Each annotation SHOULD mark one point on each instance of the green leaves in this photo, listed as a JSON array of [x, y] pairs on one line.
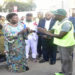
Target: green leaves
[[21, 6]]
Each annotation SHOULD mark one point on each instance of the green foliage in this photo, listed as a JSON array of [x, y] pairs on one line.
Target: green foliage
[[0, 8], [21, 6]]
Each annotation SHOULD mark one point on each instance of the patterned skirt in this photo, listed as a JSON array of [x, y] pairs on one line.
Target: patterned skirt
[[16, 58]]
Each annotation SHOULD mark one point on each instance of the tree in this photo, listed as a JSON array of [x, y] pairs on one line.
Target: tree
[[0, 8], [21, 6], [9, 0], [30, 1]]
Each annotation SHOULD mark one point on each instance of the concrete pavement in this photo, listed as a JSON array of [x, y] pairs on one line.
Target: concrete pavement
[[37, 69]]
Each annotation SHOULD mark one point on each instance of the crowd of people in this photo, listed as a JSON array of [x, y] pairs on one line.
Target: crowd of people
[[37, 38]]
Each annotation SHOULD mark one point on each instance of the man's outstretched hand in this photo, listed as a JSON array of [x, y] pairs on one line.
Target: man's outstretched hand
[[42, 30]]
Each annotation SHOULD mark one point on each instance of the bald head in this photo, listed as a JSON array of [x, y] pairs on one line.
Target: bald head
[[48, 15]]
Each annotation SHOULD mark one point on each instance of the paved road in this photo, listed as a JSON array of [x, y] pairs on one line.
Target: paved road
[[37, 69]]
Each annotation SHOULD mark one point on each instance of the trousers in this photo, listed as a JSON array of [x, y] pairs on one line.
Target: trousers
[[31, 44], [66, 59]]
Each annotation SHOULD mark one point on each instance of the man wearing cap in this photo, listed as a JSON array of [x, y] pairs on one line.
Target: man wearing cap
[[64, 38]]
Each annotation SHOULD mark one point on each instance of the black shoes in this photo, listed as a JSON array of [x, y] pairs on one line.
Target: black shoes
[[52, 62], [2, 58], [42, 61], [27, 68]]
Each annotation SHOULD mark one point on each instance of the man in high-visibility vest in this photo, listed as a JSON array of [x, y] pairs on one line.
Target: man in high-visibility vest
[[64, 38]]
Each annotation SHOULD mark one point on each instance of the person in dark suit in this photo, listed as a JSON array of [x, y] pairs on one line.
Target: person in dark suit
[[48, 48]]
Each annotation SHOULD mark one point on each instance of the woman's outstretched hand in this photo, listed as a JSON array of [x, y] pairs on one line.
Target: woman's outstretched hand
[[23, 31]]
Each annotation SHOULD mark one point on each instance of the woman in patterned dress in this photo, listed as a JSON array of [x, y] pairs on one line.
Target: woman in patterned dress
[[14, 44]]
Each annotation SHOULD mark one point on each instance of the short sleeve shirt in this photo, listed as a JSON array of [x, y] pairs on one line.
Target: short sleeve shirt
[[66, 27]]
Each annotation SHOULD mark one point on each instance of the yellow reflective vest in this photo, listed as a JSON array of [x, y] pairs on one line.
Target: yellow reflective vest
[[68, 39]]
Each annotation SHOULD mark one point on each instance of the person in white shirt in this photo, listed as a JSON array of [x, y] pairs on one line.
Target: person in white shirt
[[48, 48], [31, 42]]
